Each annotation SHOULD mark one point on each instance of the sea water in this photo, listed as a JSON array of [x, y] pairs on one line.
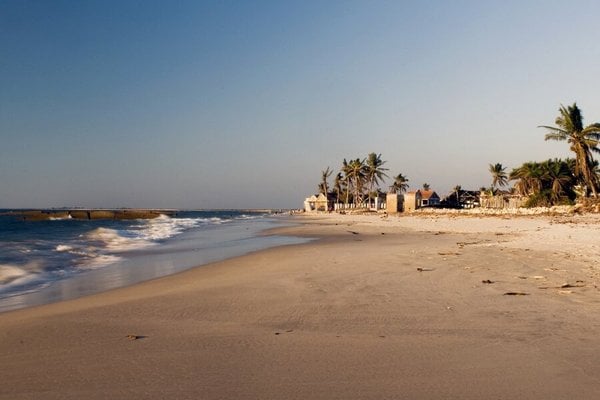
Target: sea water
[[47, 261]]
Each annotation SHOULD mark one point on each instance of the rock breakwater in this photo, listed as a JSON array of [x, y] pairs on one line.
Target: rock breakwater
[[89, 214]]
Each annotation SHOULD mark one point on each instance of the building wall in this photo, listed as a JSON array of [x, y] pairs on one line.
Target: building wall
[[394, 203], [502, 202], [432, 201], [412, 201]]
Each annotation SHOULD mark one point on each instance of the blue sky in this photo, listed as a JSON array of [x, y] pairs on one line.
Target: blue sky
[[241, 104]]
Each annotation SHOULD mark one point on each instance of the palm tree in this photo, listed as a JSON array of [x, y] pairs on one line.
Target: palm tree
[[374, 171], [357, 175], [323, 187], [426, 186], [529, 177], [457, 190], [558, 177], [545, 183], [347, 178], [338, 186], [498, 175], [400, 184], [583, 141]]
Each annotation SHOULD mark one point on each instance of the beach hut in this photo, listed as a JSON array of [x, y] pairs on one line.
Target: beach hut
[[429, 198], [318, 202], [394, 202], [412, 200]]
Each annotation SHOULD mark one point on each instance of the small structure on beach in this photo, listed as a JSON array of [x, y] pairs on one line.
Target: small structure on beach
[[318, 202], [420, 198], [394, 203], [429, 198], [412, 201]]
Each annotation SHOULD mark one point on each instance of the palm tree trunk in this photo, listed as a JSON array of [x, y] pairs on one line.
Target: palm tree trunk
[[347, 191], [585, 169]]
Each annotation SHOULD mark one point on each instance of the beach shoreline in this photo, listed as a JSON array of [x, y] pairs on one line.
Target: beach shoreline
[[429, 306], [134, 260]]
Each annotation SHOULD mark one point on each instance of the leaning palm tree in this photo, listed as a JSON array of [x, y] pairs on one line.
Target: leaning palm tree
[[374, 171], [499, 176], [582, 140], [400, 184], [323, 187]]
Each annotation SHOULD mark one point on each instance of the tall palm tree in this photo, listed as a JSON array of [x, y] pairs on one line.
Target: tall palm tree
[[400, 184], [499, 176], [582, 140], [347, 178], [323, 187], [357, 175], [338, 186], [374, 171], [426, 186]]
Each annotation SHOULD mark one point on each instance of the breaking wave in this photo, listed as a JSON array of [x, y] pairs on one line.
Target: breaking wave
[[15, 274], [34, 255]]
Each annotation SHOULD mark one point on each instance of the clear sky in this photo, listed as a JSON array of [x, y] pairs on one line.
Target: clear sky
[[225, 104]]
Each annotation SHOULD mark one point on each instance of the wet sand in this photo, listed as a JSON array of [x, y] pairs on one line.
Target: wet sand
[[397, 307]]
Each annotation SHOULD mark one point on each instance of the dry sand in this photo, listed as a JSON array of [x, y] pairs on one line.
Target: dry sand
[[379, 308]]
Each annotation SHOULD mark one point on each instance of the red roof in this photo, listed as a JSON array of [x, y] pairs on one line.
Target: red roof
[[427, 194]]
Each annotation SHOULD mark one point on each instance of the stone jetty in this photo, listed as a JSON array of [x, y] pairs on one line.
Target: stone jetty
[[89, 214]]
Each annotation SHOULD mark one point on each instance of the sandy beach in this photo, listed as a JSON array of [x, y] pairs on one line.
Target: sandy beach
[[410, 307]]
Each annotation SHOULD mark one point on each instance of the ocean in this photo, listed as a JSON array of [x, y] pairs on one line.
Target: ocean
[[47, 261]]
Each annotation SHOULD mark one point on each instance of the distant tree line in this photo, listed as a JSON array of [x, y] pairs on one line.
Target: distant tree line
[[545, 183], [358, 180]]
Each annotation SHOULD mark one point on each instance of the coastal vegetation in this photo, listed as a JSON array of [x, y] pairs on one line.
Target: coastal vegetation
[[546, 183], [358, 180], [400, 184], [556, 181], [499, 177], [583, 142]]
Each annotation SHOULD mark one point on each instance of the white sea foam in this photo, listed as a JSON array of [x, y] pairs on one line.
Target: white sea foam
[[103, 245], [165, 227], [91, 257], [112, 240], [99, 260], [64, 247], [13, 273], [60, 218]]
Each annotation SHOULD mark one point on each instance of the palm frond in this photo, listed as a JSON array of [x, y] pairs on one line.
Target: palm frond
[[556, 136]]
